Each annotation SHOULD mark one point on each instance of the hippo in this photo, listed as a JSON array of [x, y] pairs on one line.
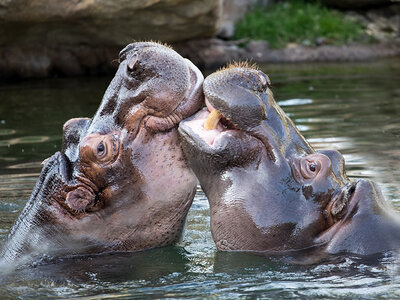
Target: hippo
[[120, 182], [269, 191]]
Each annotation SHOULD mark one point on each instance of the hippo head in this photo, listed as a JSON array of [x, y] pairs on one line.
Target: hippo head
[[268, 189], [120, 182]]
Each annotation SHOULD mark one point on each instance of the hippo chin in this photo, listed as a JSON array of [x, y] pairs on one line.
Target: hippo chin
[[268, 189], [120, 182]]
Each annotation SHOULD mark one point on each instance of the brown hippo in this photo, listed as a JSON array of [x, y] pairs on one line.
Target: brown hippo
[[268, 189], [120, 182]]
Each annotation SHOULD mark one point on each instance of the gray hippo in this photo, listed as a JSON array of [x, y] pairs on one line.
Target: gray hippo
[[120, 182], [268, 189]]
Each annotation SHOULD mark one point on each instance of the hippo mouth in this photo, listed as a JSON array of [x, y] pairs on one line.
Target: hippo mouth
[[212, 132], [209, 127]]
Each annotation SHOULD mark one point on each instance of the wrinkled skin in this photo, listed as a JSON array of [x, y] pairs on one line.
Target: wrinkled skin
[[268, 189], [120, 182]]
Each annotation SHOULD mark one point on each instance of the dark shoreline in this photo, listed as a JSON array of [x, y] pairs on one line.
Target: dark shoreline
[[41, 61], [213, 53]]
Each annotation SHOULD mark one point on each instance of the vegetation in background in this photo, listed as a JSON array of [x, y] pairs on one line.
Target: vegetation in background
[[299, 22]]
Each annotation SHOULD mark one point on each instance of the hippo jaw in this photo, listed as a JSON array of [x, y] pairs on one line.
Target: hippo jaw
[[267, 188]]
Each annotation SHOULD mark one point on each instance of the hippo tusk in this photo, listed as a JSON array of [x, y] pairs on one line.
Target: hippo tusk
[[212, 120]]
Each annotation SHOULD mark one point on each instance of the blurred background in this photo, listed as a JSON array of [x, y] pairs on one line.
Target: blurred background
[[41, 38]]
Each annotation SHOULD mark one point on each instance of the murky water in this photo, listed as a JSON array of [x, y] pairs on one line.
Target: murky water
[[352, 108]]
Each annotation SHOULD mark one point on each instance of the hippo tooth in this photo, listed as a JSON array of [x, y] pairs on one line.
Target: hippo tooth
[[212, 120]]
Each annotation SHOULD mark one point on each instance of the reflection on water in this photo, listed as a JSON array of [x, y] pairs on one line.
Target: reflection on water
[[24, 140], [6, 131], [352, 108]]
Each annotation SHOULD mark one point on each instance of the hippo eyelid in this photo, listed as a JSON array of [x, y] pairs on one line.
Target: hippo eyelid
[[124, 52], [313, 163], [306, 171], [266, 82]]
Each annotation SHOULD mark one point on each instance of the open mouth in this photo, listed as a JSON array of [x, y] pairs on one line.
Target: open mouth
[[210, 125]]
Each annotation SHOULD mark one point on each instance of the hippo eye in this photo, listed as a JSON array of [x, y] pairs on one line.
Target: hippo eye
[[309, 168], [101, 149]]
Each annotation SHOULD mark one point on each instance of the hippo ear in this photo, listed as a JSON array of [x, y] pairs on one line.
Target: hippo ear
[[125, 51], [73, 131], [79, 199]]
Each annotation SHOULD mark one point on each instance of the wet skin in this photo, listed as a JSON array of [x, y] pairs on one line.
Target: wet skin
[[120, 182], [268, 189]]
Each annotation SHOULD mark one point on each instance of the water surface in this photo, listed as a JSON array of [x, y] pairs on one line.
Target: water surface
[[353, 108]]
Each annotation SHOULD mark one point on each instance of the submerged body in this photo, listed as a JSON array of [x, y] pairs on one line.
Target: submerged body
[[268, 189], [110, 188]]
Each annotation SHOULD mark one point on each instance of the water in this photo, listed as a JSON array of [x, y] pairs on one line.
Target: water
[[353, 108]]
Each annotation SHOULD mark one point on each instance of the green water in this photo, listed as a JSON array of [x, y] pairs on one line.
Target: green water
[[354, 108]]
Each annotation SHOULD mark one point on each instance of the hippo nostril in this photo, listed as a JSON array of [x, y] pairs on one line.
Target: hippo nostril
[[79, 199], [351, 190], [339, 205]]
